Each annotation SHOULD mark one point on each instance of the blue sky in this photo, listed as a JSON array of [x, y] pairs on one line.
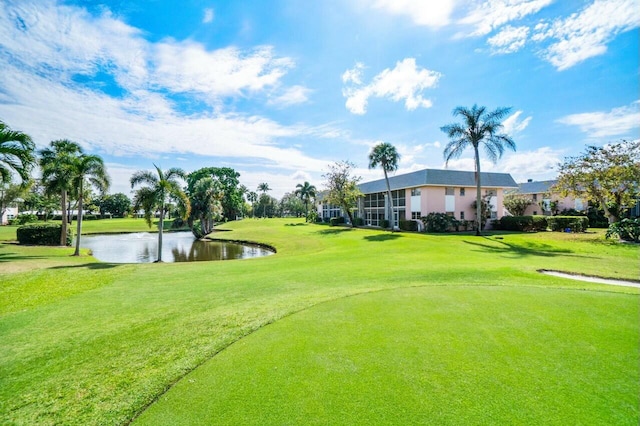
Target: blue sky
[[278, 90]]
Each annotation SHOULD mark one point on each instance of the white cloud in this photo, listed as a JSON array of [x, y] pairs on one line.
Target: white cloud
[[404, 82], [292, 96], [423, 12], [186, 66], [489, 15], [513, 124], [208, 16], [617, 122], [585, 34], [538, 164], [508, 40]]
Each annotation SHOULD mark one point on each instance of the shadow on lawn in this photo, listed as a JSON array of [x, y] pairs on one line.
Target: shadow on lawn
[[527, 249], [334, 231], [382, 237], [96, 266]]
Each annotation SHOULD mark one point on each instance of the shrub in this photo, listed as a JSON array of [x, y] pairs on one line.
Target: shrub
[[312, 216], [626, 229], [570, 223], [46, 234], [516, 223], [358, 221], [384, 223], [540, 223], [439, 222], [336, 221], [25, 218], [408, 225]]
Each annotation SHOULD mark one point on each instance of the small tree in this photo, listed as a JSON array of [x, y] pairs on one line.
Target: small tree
[[342, 187], [385, 155], [516, 204], [608, 176], [115, 204]]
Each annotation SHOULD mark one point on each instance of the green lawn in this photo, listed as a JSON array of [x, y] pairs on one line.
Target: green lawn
[[86, 342]]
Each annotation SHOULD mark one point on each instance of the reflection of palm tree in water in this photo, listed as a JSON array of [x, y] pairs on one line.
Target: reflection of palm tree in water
[[210, 250]]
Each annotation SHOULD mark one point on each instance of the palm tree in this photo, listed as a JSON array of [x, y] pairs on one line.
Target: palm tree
[[56, 165], [16, 153], [205, 205], [306, 192], [252, 197], [385, 155], [160, 187], [264, 188], [87, 169], [479, 127]]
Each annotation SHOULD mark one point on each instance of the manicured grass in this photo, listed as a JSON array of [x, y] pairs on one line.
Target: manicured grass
[[106, 340], [425, 355]]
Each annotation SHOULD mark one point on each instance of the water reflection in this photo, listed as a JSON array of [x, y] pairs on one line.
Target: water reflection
[[142, 247]]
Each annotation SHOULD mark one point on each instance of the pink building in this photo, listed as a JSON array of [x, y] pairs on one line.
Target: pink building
[[425, 191], [544, 201]]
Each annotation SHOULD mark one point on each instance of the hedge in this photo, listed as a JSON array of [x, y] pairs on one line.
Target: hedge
[[336, 221], [524, 223], [45, 234], [568, 223], [408, 225]]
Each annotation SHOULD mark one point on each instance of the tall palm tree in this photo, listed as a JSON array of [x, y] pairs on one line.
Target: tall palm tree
[[16, 153], [479, 127], [306, 192], [160, 187], [385, 155], [252, 197], [87, 169], [56, 165], [264, 188]]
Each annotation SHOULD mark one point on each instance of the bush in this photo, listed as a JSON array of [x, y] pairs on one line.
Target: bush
[[384, 223], [336, 221], [358, 221], [524, 223], [439, 222], [626, 229], [409, 225], [25, 218], [45, 234], [570, 223]]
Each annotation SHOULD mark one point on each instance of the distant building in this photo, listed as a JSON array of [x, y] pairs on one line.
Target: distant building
[[8, 214], [545, 200], [419, 193]]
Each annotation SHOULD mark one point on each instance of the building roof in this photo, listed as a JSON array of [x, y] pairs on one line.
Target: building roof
[[536, 187], [434, 177]]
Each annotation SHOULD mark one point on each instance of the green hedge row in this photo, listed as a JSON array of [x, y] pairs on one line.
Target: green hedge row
[[541, 223], [408, 225], [45, 234], [336, 221]]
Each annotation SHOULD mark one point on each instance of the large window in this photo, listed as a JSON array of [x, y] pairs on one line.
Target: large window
[[449, 191], [462, 192], [375, 210], [416, 215], [415, 192]]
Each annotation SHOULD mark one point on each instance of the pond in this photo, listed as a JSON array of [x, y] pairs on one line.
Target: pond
[[142, 247]]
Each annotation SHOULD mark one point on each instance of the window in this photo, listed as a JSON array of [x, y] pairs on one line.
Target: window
[[462, 192], [535, 197], [461, 215], [491, 192], [416, 215], [449, 191], [415, 192]]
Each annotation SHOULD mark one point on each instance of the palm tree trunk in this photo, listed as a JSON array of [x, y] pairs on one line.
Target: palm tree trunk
[[386, 178], [63, 217], [478, 192], [79, 223], [160, 228]]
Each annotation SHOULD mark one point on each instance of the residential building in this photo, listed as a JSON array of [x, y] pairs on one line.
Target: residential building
[[419, 193], [546, 201], [8, 214]]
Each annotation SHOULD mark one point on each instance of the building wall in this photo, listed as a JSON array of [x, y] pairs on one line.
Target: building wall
[[564, 203], [10, 213]]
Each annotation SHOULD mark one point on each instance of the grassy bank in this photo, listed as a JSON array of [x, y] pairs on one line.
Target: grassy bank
[[87, 342]]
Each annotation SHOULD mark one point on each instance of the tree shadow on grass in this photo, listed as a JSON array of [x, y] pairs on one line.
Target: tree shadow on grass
[[382, 237], [334, 231], [523, 250], [94, 266], [295, 224]]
